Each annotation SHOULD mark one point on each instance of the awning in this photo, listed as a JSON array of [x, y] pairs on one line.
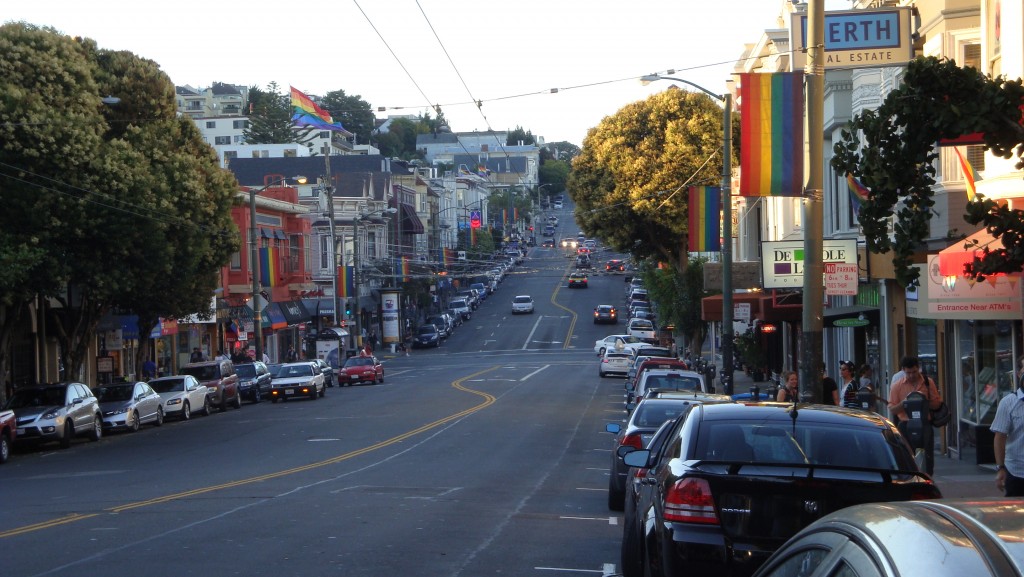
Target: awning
[[319, 307], [851, 312], [954, 258], [273, 318], [279, 234], [782, 307], [266, 233], [336, 331], [294, 312], [411, 223]]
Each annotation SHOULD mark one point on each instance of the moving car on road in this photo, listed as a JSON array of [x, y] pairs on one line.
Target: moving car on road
[[578, 280], [361, 369], [609, 342], [615, 362], [522, 304], [128, 406], [606, 314], [426, 335], [181, 395], [298, 380]]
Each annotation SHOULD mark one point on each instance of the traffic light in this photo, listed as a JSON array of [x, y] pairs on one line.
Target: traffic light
[[348, 308]]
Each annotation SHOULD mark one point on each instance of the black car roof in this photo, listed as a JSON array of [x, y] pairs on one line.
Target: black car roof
[[781, 412]]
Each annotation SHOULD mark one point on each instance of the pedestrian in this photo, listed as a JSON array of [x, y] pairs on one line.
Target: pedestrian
[[1008, 440], [197, 356], [829, 388], [850, 386], [867, 376], [291, 356], [148, 369], [266, 358], [915, 381], [373, 338], [222, 356], [790, 390]]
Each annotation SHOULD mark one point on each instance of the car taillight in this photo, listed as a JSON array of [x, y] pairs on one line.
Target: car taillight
[[925, 492], [689, 501], [633, 440]]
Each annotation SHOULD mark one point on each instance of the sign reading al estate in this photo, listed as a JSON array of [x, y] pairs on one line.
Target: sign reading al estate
[[858, 38]]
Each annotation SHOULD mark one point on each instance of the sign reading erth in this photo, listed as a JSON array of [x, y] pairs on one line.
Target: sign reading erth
[[858, 38]]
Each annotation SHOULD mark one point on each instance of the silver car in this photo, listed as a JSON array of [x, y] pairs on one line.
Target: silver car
[[182, 394], [57, 412], [128, 406]]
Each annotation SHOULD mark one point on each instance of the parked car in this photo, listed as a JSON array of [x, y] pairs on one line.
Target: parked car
[[944, 538], [254, 380], [606, 314], [444, 327], [642, 329], [426, 335], [128, 406], [361, 369], [610, 341], [642, 363], [614, 362], [57, 412], [666, 379], [303, 379], [733, 482], [220, 378], [481, 290], [470, 297], [522, 304], [578, 280], [461, 306], [8, 431], [325, 368], [182, 394]]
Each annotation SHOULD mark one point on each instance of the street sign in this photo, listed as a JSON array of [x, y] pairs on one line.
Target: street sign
[[461, 255], [741, 312], [851, 322], [841, 279]]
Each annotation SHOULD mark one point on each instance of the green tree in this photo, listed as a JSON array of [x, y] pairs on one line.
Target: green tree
[[270, 117], [561, 150], [103, 203], [629, 180], [354, 113], [678, 295], [518, 136], [891, 151], [400, 139], [554, 173]]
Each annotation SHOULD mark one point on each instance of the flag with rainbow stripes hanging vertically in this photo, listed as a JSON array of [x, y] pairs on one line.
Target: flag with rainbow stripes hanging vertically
[[705, 218], [446, 257], [403, 268], [859, 194], [346, 281], [268, 266], [771, 134], [971, 176]]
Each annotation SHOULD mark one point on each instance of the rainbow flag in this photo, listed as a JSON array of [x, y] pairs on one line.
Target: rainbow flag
[[268, 266], [771, 134], [346, 281], [859, 194], [515, 214], [446, 257], [307, 113], [403, 266], [971, 176], [705, 218], [472, 236]]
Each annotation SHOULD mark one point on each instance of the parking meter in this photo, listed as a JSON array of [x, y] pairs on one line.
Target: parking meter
[[866, 399], [915, 405]]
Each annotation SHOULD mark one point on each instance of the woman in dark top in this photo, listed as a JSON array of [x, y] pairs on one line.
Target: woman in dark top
[[790, 390]]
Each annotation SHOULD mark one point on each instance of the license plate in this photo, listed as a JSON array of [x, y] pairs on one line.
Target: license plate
[[289, 391], [21, 431]]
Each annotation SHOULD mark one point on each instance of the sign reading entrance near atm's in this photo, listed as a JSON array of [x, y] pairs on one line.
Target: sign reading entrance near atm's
[[858, 38], [782, 262]]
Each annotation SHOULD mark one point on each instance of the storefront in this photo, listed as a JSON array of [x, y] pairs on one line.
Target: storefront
[[978, 326]]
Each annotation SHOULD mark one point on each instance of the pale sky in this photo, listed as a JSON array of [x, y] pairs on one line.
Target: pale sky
[[507, 54]]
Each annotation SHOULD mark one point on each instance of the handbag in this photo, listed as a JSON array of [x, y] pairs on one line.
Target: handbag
[[941, 415]]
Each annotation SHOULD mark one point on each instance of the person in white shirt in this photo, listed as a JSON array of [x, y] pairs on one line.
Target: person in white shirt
[[1008, 440]]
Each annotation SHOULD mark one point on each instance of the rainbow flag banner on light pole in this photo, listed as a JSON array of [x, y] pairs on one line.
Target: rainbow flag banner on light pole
[[268, 266], [771, 134], [705, 219]]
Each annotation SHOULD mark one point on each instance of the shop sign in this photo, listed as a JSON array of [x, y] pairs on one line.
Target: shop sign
[[782, 262], [851, 323], [857, 38], [957, 297]]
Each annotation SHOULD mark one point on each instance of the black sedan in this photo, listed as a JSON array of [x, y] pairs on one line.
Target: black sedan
[[426, 336], [732, 482], [979, 537], [606, 314]]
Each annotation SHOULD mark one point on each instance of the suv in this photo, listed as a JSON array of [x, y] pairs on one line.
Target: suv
[[57, 412], [461, 307], [583, 261], [442, 324], [254, 381], [220, 378], [470, 297]]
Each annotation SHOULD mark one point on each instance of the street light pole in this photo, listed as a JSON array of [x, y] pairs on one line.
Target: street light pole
[[727, 301], [254, 263]]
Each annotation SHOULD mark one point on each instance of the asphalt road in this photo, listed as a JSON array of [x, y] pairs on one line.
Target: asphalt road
[[484, 456]]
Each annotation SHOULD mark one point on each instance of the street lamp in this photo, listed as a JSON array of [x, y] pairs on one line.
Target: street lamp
[[727, 312], [254, 262]]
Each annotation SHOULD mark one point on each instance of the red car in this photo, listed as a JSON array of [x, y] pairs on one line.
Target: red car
[[8, 429], [361, 370]]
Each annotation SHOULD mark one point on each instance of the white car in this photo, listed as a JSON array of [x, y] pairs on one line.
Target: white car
[[614, 361], [670, 379], [303, 379], [522, 304], [642, 329], [461, 307], [182, 395], [602, 345]]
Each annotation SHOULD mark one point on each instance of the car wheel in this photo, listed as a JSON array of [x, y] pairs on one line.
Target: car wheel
[[381, 380], [159, 417], [616, 496], [323, 391], [133, 423], [601, 373], [238, 400], [223, 406], [186, 412], [274, 400], [257, 397], [316, 394], [5, 449], [69, 431], [632, 550], [97, 428], [207, 409]]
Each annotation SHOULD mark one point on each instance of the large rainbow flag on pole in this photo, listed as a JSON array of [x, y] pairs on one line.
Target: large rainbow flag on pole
[[346, 281], [268, 266], [307, 113], [705, 218], [771, 134]]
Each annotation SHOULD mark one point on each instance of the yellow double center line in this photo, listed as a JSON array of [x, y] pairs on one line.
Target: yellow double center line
[[572, 314], [75, 517]]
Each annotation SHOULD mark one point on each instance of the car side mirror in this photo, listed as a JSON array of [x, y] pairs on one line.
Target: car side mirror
[[613, 428], [637, 458]]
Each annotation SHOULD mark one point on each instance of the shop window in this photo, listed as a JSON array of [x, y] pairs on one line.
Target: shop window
[[986, 367]]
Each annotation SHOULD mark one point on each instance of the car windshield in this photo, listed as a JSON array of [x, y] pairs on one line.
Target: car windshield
[[274, 369], [458, 304], [677, 382], [168, 385], [642, 324], [522, 299], [652, 415], [784, 444], [359, 362], [115, 393], [246, 371], [427, 330], [202, 372], [295, 371], [36, 397]]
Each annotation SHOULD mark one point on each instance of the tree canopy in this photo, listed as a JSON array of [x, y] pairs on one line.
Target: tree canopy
[[891, 150], [629, 180], [354, 113], [270, 117], [520, 135], [106, 206]]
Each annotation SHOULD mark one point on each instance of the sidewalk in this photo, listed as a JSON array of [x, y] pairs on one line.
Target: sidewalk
[[956, 478]]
